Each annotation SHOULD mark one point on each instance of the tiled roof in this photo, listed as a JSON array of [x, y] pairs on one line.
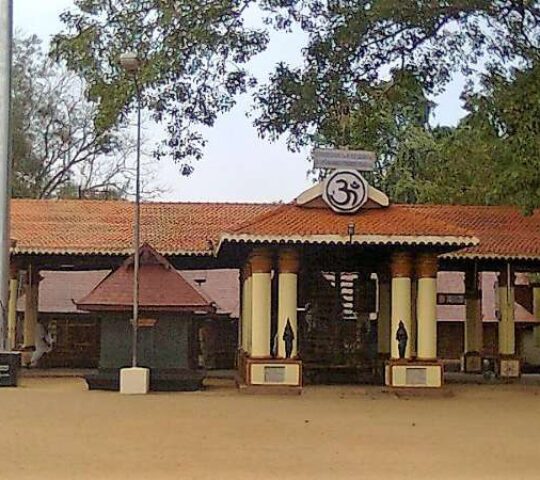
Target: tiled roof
[[397, 224], [504, 232], [105, 227], [161, 287]]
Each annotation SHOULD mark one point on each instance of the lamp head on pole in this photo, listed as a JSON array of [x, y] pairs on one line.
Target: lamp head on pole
[[351, 230], [130, 62]]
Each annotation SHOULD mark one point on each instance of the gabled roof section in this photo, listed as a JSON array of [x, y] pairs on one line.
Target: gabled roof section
[[394, 225], [161, 288], [504, 232], [105, 227]]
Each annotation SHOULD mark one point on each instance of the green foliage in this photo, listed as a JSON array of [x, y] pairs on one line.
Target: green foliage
[[192, 56], [370, 67]]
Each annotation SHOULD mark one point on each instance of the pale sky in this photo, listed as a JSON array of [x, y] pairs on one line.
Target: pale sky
[[237, 166]]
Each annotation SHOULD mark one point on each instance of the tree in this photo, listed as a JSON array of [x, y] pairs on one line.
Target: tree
[[360, 53], [365, 60], [193, 62], [57, 151]]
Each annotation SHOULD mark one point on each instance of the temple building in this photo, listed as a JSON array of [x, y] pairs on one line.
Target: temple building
[[311, 272]]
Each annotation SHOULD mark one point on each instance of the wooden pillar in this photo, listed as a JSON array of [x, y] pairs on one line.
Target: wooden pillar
[[401, 268], [31, 306], [426, 272], [384, 314], [12, 306], [261, 278], [473, 318], [288, 299], [507, 343]]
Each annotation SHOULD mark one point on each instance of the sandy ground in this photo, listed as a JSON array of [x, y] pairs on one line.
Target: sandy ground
[[55, 429]]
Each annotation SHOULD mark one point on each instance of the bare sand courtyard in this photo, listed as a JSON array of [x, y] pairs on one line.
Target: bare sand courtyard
[[56, 429]]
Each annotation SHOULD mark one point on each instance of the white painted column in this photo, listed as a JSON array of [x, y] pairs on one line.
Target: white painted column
[[473, 318], [401, 268], [261, 278], [384, 314], [426, 306], [507, 342], [287, 299], [246, 308], [12, 307]]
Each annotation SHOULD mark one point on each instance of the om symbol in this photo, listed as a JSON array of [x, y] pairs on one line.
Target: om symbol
[[345, 191]]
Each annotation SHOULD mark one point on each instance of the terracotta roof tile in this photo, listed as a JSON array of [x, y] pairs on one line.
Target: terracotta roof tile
[[105, 227], [161, 287], [503, 231], [395, 221]]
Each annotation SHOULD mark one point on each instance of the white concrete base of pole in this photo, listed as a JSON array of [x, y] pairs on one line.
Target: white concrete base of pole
[[134, 381]]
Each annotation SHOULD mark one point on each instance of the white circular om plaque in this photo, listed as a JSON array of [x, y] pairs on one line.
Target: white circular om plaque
[[345, 191]]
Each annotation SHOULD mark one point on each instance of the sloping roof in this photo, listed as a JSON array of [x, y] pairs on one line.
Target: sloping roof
[[161, 287], [58, 290], [504, 232], [221, 286], [106, 226], [397, 224]]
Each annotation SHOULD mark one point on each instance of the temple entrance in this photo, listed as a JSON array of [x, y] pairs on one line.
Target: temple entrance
[[338, 327]]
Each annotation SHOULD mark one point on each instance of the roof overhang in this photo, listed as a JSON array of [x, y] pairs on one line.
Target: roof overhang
[[110, 253], [406, 240]]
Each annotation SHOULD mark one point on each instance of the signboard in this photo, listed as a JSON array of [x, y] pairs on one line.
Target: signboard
[[345, 191], [146, 322], [343, 159]]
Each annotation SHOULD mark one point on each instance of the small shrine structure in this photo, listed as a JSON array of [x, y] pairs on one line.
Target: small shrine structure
[[168, 324]]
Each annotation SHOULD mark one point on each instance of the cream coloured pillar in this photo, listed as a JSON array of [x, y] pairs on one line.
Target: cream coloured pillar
[[473, 317], [261, 288], [384, 314], [507, 343], [401, 267], [413, 337], [426, 306], [12, 307], [246, 308], [31, 306], [288, 299]]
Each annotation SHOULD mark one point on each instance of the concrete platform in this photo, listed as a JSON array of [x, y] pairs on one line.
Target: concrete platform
[[161, 380]]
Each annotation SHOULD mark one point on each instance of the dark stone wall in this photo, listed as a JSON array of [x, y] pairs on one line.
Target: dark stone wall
[[165, 345]]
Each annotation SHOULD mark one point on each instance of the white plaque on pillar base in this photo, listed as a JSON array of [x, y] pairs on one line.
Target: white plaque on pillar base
[[134, 381], [272, 375], [509, 367], [413, 374]]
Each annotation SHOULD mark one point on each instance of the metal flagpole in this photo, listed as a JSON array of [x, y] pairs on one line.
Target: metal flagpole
[[6, 35]]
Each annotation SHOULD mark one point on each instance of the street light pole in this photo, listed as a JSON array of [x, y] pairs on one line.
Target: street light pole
[[6, 36], [131, 64], [137, 230]]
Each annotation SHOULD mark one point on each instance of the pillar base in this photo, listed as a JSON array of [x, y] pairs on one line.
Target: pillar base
[[471, 362], [509, 366], [134, 381], [413, 374], [270, 375]]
